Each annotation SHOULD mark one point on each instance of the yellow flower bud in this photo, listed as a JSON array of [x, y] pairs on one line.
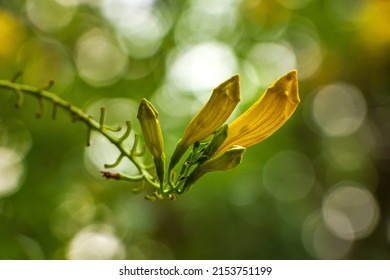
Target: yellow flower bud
[[150, 125], [210, 117], [267, 115]]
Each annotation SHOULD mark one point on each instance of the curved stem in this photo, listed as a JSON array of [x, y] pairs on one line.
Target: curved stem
[[79, 115]]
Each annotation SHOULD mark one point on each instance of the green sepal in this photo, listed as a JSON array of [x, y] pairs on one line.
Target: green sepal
[[218, 139], [226, 161]]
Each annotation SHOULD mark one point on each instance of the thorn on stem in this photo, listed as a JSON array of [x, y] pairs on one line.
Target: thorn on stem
[[116, 163], [41, 108], [127, 132], [49, 85], [135, 144], [20, 97], [112, 128], [88, 136], [102, 116]]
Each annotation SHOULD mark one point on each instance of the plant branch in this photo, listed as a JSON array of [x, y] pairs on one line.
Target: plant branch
[[77, 114]]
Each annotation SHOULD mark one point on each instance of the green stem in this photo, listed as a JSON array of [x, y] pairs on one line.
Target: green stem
[[80, 115], [188, 165]]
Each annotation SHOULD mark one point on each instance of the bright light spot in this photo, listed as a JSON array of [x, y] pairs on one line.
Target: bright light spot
[[96, 242], [215, 6], [350, 211], [202, 67], [117, 111], [339, 109], [288, 176], [168, 97], [141, 26], [49, 15], [206, 20], [270, 61], [99, 61], [69, 3], [304, 38], [101, 151], [327, 246], [11, 170], [320, 242]]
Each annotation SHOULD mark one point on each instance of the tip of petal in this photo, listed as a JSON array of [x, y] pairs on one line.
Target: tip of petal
[[289, 84], [294, 92], [292, 75], [230, 87]]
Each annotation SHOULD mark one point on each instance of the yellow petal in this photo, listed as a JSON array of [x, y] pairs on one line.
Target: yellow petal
[[214, 113], [212, 116], [267, 115]]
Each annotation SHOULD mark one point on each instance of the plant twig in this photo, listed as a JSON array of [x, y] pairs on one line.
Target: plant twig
[[42, 94]]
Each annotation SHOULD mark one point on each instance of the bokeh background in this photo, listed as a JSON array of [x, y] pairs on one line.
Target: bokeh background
[[317, 189]]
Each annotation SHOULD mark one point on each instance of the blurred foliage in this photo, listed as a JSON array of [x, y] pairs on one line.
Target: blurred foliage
[[317, 189]]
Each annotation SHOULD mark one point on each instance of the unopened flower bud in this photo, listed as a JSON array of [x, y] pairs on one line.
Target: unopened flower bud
[[150, 125]]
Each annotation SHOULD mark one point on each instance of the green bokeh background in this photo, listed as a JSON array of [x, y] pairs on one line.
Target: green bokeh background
[[317, 189]]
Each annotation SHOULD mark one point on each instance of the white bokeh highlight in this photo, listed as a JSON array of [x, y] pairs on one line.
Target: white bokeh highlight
[[338, 109], [11, 171], [96, 242], [99, 60], [202, 66], [350, 211]]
